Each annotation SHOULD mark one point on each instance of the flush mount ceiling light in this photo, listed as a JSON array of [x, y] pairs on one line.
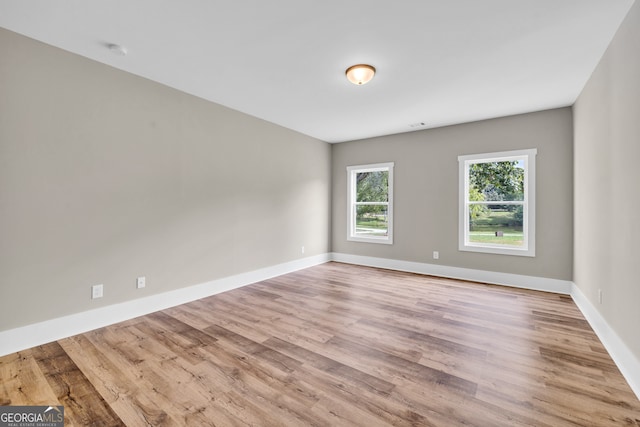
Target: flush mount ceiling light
[[360, 74]]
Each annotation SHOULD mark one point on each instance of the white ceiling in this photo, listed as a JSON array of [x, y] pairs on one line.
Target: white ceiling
[[439, 62]]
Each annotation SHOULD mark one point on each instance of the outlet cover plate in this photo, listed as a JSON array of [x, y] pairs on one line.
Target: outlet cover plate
[[97, 291]]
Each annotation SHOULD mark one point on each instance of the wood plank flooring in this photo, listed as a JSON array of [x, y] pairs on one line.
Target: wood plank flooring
[[335, 345]]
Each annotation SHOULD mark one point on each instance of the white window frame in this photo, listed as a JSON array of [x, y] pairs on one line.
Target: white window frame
[[352, 172], [529, 203]]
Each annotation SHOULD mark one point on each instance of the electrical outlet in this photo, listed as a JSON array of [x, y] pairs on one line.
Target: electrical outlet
[[97, 291], [600, 296], [141, 282], [302, 250], [436, 255]]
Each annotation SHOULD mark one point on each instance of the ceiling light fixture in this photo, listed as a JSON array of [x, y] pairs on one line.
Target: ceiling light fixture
[[360, 74]]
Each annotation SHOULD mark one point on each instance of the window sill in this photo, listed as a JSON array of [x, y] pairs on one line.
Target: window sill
[[497, 250], [378, 240]]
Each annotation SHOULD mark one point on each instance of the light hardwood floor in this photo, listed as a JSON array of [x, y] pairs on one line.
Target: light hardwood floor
[[335, 345]]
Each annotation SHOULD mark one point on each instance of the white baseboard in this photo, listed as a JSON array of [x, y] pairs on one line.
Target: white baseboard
[[21, 338], [626, 361], [492, 277]]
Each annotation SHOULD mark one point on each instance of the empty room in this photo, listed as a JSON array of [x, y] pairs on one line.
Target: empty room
[[298, 213]]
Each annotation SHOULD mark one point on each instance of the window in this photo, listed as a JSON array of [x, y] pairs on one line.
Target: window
[[497, 203], [370, 192]]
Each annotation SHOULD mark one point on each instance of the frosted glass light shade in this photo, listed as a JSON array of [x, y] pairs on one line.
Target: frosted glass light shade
[[360, 74]]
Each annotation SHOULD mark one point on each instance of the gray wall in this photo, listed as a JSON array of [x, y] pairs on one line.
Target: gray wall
[[105, 176], [607, 184], [426, 191]]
